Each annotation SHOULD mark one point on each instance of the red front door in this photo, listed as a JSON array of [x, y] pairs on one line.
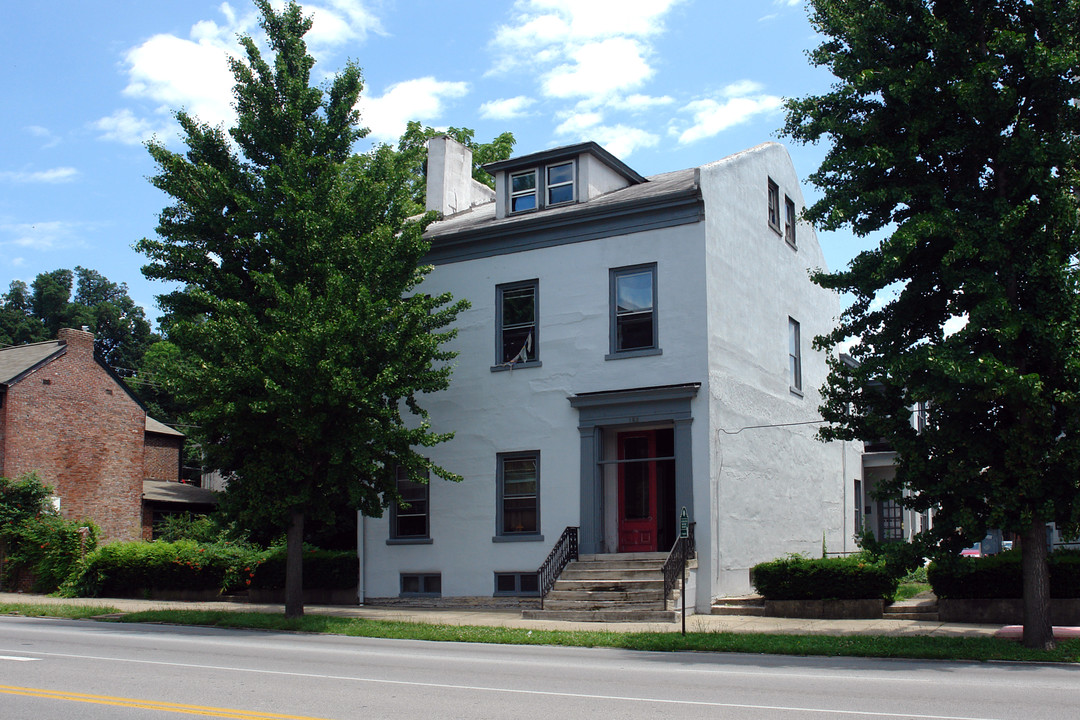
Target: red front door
[[637, 492]]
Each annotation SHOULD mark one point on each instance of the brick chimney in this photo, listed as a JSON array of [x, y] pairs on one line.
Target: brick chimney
[[450, 185], [80, 342]]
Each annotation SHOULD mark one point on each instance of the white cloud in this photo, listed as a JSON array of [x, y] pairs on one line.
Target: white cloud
[[52, 235], [52, 176], [599, 69], [738, 103], [578, 123], [545, 22], [170, 73], [123, 126], [45, 134], [621, 141], [638, 102], [421, 99], [506, 108]]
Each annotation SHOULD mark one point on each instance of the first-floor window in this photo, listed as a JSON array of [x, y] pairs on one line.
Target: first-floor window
[[794, 355], [409, 516], [518, 484], [892, 520]]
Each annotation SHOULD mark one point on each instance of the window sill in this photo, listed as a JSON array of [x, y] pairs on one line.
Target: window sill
[[409, 541], [776, 229], [795, 391], [791, 245], [516, 594], [516, 366], [517, 538], [643, 352]]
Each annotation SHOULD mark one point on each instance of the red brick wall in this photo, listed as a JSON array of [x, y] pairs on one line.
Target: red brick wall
[[163, 457], [83, 434]]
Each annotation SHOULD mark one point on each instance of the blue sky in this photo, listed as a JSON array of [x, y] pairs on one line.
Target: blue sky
[[663, 84]]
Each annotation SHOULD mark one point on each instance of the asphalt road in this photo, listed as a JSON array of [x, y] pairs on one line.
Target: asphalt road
[[86, 670]]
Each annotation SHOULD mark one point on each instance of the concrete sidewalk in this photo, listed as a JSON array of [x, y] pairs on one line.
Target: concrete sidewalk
[[512, 618]]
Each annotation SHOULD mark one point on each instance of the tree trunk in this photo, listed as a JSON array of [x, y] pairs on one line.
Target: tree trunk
[[1038, 632], [294, 566]]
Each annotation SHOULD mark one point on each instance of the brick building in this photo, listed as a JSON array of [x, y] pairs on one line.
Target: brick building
[[67, 416]]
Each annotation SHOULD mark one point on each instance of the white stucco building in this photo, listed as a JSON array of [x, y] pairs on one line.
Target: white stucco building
[[634, 346]]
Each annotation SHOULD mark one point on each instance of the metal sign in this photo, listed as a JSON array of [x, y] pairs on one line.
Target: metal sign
[[684, 524]]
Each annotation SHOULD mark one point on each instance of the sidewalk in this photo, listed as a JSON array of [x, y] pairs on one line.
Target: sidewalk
[[512, 618]]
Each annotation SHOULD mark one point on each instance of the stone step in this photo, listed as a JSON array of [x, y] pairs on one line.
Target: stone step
[[560, 604], [748, 610], [605, 573], [611, 585], [605, 616], [654, 565], [610, 595], [614, 557], [927, 616]]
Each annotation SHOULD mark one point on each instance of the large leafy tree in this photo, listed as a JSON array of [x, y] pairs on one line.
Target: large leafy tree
[[305, 334], [32, 314], [954, 131]]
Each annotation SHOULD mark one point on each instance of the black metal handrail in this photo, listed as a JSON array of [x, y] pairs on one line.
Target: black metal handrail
[[682, 552], [565, 550]]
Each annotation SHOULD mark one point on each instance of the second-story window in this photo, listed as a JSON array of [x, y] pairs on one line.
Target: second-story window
[[633, 309], [794, 355], [774, 205], [560, 183], [523, 191], [789, 228], [516, 308]]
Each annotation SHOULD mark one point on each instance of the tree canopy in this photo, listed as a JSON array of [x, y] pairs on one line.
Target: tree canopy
[[305, 331], [955, 132], [414, 143], [36, 313]]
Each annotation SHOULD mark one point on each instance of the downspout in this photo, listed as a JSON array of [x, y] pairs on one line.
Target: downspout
[[360, 557]]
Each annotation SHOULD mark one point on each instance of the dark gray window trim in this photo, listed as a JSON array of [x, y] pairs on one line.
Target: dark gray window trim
[[555, 155], [791, 217], [401, 582], [637, 405], [396, 539], [541, 189], [501, 536], [499, 290], [565, 225], [517, 592], [796, 387], [613, 352], [773, 199]]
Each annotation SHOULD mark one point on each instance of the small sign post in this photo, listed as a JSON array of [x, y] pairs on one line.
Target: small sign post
[[684, 533]]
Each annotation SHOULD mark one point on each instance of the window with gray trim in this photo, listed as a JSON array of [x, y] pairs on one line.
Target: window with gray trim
[[633, 310], [774, 205], [523, 191], [560, 183], [518, 488], [410, 519], [794, 355], [789, 227], [421, 584], [517, 583], [516, 310]]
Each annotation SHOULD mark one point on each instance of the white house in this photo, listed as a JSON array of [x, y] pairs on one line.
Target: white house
[[634, 346]]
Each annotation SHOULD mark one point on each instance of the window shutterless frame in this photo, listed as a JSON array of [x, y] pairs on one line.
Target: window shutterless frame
[[634, 329], [523, 191], [517, 583], [412, 523], [560, 183], [795, 356], [789, 226], [774, 206], [517, 315], [421, 584], [517, 484]]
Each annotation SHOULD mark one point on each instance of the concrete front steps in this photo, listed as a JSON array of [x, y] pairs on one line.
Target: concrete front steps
[[623, 587], [917, 608], [744, 605]]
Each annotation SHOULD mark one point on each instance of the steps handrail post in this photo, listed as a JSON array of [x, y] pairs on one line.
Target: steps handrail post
[[565, 550]]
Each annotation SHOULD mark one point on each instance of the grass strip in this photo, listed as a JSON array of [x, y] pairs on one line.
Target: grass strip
[[882, 646], [56, 610]]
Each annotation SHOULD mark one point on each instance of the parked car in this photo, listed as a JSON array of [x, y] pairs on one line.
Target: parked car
[[973, 551]]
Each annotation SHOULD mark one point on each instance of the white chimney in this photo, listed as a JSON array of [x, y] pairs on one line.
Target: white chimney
[[450, 185]]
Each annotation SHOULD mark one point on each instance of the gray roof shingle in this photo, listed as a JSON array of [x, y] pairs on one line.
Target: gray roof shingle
[[14, 361]]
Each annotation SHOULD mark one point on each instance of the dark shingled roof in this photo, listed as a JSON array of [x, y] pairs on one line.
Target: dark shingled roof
[[17, 360]]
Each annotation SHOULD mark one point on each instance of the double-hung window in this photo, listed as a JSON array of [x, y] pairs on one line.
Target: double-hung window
[[409, 517], [518, 484], [794, 356], [560, 183], [523, 191], [789, 228], [633, 311], [516, 307], [774, 205]]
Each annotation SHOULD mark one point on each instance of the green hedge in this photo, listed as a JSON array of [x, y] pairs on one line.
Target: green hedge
[[137, 569], [1000, 576], [800, 578]]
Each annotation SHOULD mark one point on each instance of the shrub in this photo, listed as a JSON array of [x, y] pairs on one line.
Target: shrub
[[799, 578], [134, 569], [1000, 576], [39, 543], [323, 569]]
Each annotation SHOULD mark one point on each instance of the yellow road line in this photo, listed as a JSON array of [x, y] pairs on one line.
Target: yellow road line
[[149, 704]]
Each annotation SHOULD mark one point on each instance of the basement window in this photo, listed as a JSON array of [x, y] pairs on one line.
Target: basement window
[[525, 584], [421, 585]]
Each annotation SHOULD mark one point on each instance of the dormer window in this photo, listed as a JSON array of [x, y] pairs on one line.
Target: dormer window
[[560, 183], [523, 191]]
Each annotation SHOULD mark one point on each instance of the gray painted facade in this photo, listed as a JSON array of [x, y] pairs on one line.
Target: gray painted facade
[[684, 381]]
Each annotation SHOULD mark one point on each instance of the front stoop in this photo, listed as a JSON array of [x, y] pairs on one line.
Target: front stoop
[[624, 587], [914, 609]]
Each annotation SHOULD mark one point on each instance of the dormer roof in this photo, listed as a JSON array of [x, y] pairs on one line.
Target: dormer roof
[[567, 152]]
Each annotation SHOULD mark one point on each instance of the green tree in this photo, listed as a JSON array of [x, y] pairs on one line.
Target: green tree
[[300, 316], [954, 131], [413, 143], [17, 322]]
